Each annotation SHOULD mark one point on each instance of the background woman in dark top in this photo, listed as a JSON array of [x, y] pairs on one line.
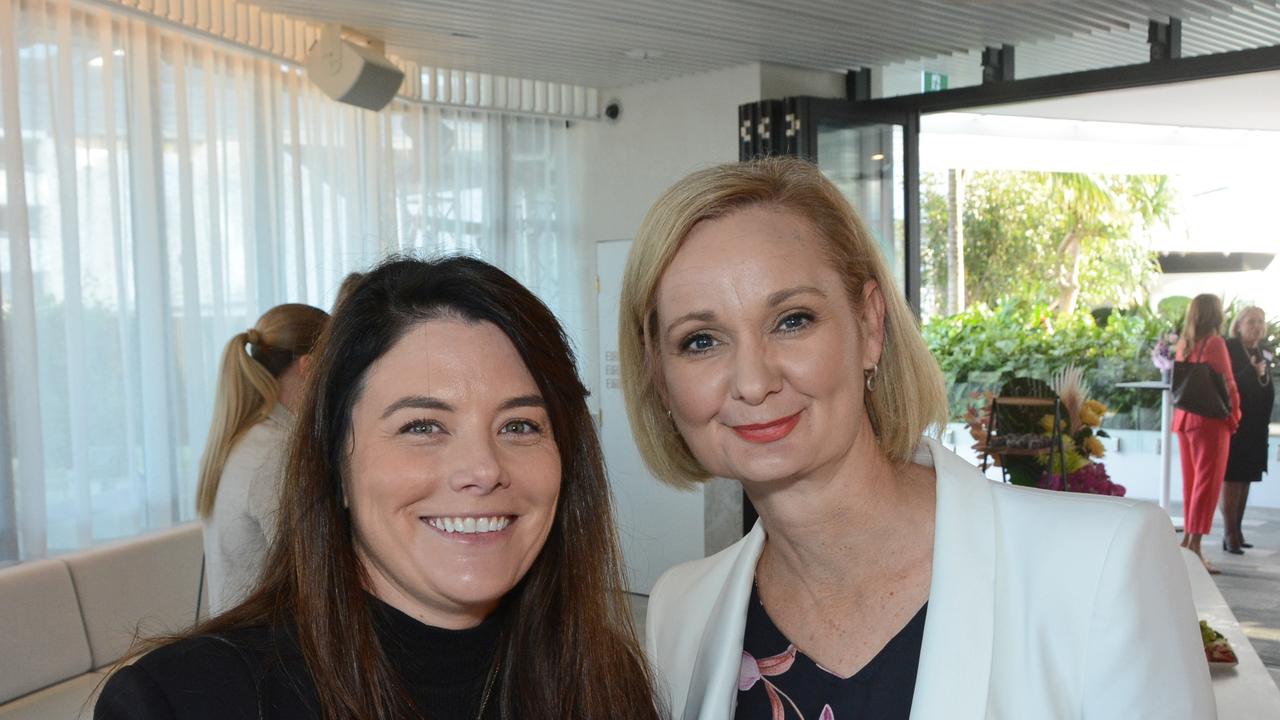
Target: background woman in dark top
[[445, 546], [1248, 457]]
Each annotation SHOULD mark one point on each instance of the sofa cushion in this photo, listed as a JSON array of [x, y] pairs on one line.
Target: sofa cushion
[[141, 586], [70, 700], [42, 639]]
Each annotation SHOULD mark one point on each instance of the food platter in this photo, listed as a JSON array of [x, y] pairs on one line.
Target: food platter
[[1217, 649]]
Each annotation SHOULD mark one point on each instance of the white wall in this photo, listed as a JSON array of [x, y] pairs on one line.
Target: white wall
[[668, 129]]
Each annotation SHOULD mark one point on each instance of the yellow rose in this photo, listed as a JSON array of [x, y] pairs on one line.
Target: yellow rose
[[1093, 446], [1090, 417], [1098, 408]]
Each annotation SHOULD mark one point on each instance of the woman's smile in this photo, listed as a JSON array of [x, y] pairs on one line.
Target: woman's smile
[[472, 529], [768, 432]]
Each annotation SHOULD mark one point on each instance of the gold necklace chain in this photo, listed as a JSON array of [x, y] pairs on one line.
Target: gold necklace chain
[[488, 689]]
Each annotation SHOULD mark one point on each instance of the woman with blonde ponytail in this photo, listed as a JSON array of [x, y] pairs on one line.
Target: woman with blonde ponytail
[[259, 385]]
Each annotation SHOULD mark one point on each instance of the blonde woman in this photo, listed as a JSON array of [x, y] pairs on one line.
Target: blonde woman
[[762, 339], [1204, 442], [259, 386], [1247, 460]]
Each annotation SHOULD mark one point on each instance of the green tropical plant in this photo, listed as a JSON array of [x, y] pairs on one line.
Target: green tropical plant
[[1062, 239], [985, 345]]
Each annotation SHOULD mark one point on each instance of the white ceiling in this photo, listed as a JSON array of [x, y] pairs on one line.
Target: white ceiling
[[1241, 102], [585, 42], [981, 140]]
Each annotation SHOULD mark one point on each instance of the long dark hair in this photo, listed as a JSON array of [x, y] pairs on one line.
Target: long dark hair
[[569, 645], [1204, 318]]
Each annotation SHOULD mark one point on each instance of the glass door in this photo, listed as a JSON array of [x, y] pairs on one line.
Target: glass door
[[870, 155], [865, 162]]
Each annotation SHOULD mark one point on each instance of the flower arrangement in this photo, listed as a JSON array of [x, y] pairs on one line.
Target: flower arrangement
[[1081, 443], [1163, 354], [1080, 432]]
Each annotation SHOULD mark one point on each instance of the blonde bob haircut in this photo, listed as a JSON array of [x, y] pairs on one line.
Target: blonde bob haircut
[[910, 396], [1244, 315]]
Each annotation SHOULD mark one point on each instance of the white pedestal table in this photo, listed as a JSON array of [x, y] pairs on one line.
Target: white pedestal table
[[1166, 437]]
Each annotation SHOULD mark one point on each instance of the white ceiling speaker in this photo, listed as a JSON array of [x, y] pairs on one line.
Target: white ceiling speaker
[[353, 69]]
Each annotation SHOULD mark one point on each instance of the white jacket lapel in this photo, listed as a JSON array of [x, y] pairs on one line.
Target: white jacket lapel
[[955, 656], [713, 686]]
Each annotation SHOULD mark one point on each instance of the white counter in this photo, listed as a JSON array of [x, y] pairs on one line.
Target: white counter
[[1246, 691]]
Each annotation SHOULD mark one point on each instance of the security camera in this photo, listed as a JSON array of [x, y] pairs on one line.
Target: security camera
[[613, 110]]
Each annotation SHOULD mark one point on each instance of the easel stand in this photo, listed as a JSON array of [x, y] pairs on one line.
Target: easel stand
[[1055, 435]]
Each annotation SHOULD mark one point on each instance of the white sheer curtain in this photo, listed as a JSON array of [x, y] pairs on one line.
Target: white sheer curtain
[[159, 193]]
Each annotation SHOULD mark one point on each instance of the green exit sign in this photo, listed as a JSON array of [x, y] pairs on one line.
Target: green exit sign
[[933, 82]]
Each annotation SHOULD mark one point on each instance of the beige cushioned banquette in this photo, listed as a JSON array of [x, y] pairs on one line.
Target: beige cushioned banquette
[[65, 620]]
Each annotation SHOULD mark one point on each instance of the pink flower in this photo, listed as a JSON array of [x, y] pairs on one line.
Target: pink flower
[[778, 664], [752, 671], [1091, 478], [748, 673], [1162, 355]]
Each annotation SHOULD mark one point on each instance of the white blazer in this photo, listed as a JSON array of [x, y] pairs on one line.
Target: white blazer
[[1042, 605]]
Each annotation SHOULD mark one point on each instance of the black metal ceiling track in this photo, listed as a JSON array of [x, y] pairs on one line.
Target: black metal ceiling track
[[1158, 72]]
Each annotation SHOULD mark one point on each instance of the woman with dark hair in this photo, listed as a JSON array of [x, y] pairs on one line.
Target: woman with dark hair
[[445, 545], [1203, 442], [1247, 459]]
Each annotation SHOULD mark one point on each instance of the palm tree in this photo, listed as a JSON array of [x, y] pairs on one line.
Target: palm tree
[[1090, 202]]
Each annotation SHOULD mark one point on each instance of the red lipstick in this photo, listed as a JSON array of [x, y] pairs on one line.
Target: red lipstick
[[768, 432]]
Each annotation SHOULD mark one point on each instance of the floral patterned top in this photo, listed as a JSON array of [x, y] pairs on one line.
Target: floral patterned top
[[778, 682]]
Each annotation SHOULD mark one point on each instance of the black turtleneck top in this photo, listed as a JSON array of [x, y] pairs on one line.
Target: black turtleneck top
[[259, 673]]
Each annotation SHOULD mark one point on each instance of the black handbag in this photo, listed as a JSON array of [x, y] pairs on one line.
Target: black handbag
[[1199, 389]]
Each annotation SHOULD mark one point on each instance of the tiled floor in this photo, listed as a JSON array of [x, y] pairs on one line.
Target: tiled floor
[[1250, 583]]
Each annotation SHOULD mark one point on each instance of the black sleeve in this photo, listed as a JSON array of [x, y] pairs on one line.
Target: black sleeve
[[131, 694], [201, 678], [1267, 393], [1240, 365]]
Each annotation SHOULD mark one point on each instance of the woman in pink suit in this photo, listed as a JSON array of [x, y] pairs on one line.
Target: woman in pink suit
[[1203, 441]]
